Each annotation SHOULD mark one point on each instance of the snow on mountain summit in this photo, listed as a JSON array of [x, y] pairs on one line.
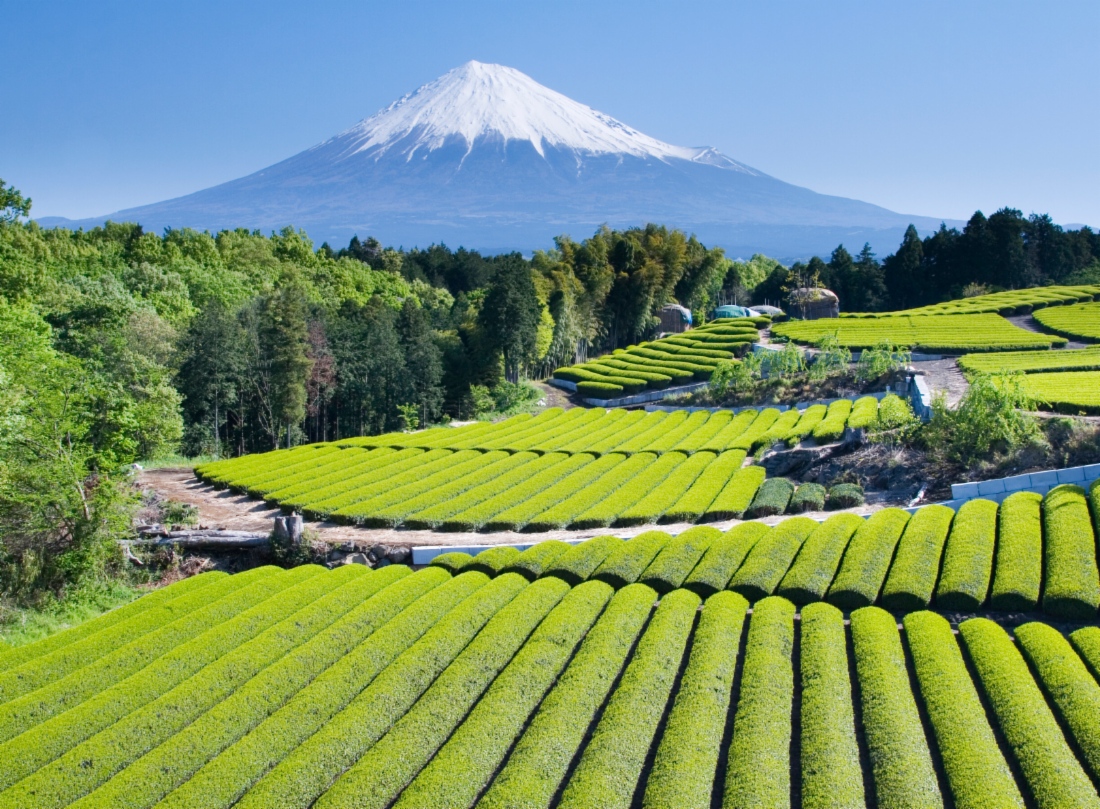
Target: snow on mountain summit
[[477, 100]]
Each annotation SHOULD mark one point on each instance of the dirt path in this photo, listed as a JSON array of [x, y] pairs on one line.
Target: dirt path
[[220, 508], [556, 397], [944, 375]]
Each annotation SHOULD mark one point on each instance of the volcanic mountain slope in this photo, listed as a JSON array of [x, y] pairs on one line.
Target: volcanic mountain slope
[[486, 157]]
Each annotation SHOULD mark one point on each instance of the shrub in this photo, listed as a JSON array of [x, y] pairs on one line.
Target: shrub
[[771, 498], [687, 756], [807, 497], [976, 769], [580, 561], [723, 558], [535, 560], [867, 559], [242, 762], [778, 431], [991, 417], [1018, 570], [705, 489], [916, 565], [542, 756], [900, 759], [600, 390], [759, 771], [968, 558], [1072, 587], [770, 558], [816, 564], [737, 494], [453, 561], [731, 432], [885, 358], [831, 428], [760, 425], [678, 558], [808, 420], [844, 495], [1068, 684], [611, 765], [830, 770], [864, 413], [1053, 775], [628, 561]]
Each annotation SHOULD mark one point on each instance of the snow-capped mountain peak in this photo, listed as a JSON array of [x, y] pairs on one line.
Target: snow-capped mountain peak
[[484, 101]]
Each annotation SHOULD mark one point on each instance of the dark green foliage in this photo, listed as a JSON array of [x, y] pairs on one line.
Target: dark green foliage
[[916, 565], [900, 760], [867, 559], [976, 769], [816, 564], [968, 558], [678, 558], [601, 390], [1053, 774], [580, 561], [759, 771], [770, 558], [831, 776], [844, 495], [1072, 584], [629, 560], [687, 757], [1018, 570], [771, 498], [724, 557], [807, 497]]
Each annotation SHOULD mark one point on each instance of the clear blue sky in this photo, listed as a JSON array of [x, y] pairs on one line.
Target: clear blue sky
[[933, 108]]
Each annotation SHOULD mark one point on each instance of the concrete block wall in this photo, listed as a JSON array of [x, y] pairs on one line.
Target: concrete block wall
[[1040, 482]]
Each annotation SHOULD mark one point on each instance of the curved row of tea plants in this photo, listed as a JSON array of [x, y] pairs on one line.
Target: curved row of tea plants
[[515, 683], [1081, 321], [1011, 302]]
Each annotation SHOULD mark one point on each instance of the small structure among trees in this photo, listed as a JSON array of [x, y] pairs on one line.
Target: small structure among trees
[[675, 318], [813, 303]]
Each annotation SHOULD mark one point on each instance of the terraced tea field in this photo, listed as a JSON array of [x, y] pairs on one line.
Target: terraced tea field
[[579, 468], [1081, 321], [1011, 302], [1030, 362], [675, 360], [610, 674], [1066, 391], [947, 333]]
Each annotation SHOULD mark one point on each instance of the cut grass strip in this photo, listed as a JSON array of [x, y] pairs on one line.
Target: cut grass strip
[[537, 766], [831, 774], [1018, 569], [916, 566], [611, 765], [817, 562], [697, 499], [723, 558], [678, 558], [453, 604], [736, 495], [1053, 774], [867, 559], [1072, 586], [976, 769], [770, 558], [628, 561], [968, 558], [467, 762], [686, 761], [759, 772], [900, 758]]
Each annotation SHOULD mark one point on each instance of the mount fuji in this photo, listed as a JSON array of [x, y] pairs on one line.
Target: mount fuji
[[487, 158]]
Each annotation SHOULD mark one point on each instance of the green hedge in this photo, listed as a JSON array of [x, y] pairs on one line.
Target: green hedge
[[147, 780], [900, 759], [686, 761], [736, 495], [37, 706], [844, 495], [454, 561], [628, 561], [534, 561], [968, 557], [867, 559], [830, 770], [678, 558], [755, 431], [1072, 584], [777, 431], [360, 488], [567, 507], [579, 480], [724, 557], [807, 497], [395, 759], [1018, 571], [651, 508], [670, 439], [808, 421], [606, 511], [831, 428], [544, 753], [247, 750], [469, 759], [1054, 776], [631, 364], [580, 561], [300, 777], [18, 656], [493, 561], [1068, 684], [611, 765], [916, 566], [816, 564], [976, 769], [770, 558], [864, 413], [600, 390], [771, 498], [731, 432], [759, 769], [694, 502]]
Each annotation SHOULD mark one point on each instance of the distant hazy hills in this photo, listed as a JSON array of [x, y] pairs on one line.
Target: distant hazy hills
[[486, 157]]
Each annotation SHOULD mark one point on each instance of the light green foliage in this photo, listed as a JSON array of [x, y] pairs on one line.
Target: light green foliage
[[808, 420], [844, 495], [687, 757], [759, 773], [1080, 321], [611, 765], [900, 759], [628, 561], [831, 428], [678, 558], [1029, 362], [723, 558], [1072, 583], [452, 561], [991, 417], [535, 560], [736, 496], [864, 413], [831, 776], [770, 558], [968, 558], [705, 489], [1066, 391], [867, 559], [818, 559], [494, 561], [976, 769], [580, 561], [916, 565], [1018, 571], [1054, 777], [881, 359], [1020, 301]]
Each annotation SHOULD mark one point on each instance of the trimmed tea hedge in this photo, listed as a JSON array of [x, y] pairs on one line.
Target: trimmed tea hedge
[[817, 562], [736, 495], [770, 558], [1018, 571], [807, 497], [916, 565], [724, 557], [968, 558], [677, 559], [1072, 583], [628, 561], [844, 495], [867, 559], [771, 498]]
